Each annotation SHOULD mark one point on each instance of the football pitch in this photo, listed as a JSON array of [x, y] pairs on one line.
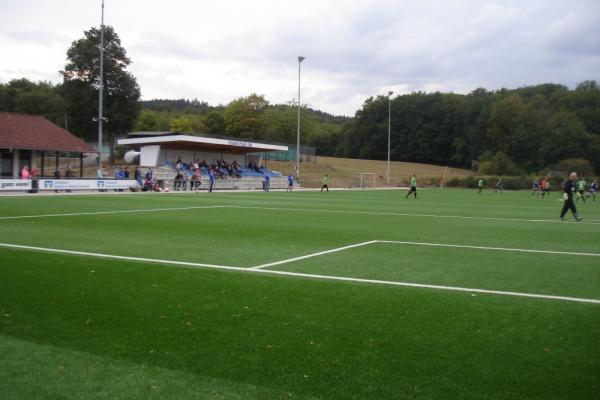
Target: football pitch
[[304, 295]]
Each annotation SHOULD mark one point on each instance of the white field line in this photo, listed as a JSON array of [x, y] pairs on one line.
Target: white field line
[[109, 212], [591, 222], [464, 246], [184, 264], [426, 286], [116, 257], [320, 253]]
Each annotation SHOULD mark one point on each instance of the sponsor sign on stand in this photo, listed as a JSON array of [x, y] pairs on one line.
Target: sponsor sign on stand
[[67, 184], [86, 184], [15, 184]]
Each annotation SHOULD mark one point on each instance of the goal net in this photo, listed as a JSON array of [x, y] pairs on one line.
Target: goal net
[[367, 180]]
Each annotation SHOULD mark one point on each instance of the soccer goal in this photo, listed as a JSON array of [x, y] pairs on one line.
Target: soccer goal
[[367, 180]]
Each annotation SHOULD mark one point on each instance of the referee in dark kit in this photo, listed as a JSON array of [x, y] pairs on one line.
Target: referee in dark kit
[[569, 189]]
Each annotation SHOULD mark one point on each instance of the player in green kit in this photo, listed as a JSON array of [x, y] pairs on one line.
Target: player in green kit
[[413, 186], [325, 183], [480, 185], [581, 185]]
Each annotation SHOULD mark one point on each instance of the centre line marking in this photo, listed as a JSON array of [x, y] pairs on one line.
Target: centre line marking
[[184, 264]]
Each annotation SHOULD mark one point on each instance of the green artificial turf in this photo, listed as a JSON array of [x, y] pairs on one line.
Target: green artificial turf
[[79, 327]]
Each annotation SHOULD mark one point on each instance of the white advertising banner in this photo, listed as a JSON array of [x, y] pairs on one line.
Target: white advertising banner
[[83, 184], [116, 183], [15, 184]]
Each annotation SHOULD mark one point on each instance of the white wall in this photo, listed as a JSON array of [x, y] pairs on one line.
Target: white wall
[[149, 156]]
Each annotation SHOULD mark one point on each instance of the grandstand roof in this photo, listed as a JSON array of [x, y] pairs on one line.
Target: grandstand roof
[[187, 142], [34, 132], [141, 134]]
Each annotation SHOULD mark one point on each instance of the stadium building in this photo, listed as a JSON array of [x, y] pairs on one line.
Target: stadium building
[[33, 140]]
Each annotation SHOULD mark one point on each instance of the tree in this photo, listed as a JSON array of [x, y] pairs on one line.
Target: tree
[[42, 98], [146, 122], [567, 138], [584, 102], [214, 122], [181, 125], [242, 117], [81, 78], [499, 164]]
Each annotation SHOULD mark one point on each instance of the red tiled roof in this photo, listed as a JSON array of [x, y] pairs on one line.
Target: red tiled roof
[[34, 132]]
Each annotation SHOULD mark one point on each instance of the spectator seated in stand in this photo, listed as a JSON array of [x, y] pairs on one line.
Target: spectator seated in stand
[[253, 166], [236, 170]]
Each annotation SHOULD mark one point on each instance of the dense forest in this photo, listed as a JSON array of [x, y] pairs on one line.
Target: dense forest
[[509, 131], [505, 131]]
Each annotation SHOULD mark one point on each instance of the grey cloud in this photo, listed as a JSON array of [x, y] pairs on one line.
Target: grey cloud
[[43, 38], [357, 49]]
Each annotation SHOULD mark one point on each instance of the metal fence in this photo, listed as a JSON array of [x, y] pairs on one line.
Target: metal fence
[[307, 154]]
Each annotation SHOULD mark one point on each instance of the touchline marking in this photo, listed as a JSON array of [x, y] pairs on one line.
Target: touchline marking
[[183, 264], [557, 221], [109, 212], [464, 246], [320, 253]]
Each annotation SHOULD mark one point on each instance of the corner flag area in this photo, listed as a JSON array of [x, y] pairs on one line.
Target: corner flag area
[[301, 295]]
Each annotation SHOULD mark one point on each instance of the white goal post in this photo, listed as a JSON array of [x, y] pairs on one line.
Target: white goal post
[[367, 179]]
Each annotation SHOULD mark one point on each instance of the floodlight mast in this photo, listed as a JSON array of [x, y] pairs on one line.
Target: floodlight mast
[[390, 93], [300, 59], [101, 89]]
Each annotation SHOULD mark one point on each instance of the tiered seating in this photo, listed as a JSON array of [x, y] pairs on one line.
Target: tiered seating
[[250, 180]]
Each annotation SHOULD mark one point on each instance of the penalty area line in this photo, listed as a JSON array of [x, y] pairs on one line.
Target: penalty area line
[[320, 253], [183, 264], [464, 246]]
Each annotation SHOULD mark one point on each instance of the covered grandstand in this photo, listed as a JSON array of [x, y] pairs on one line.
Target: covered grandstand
[[166, 152]]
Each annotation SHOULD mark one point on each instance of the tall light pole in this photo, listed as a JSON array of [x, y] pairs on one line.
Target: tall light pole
[[101, 89], [390, 93], [300, 59]]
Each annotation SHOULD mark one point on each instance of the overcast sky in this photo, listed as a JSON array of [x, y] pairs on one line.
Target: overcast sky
[[219, 50]]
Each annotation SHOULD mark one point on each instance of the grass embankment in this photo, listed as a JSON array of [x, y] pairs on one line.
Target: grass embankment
[[345, 172]]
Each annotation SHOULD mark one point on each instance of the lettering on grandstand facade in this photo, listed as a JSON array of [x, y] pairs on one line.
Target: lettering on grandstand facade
[[239, 143]]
